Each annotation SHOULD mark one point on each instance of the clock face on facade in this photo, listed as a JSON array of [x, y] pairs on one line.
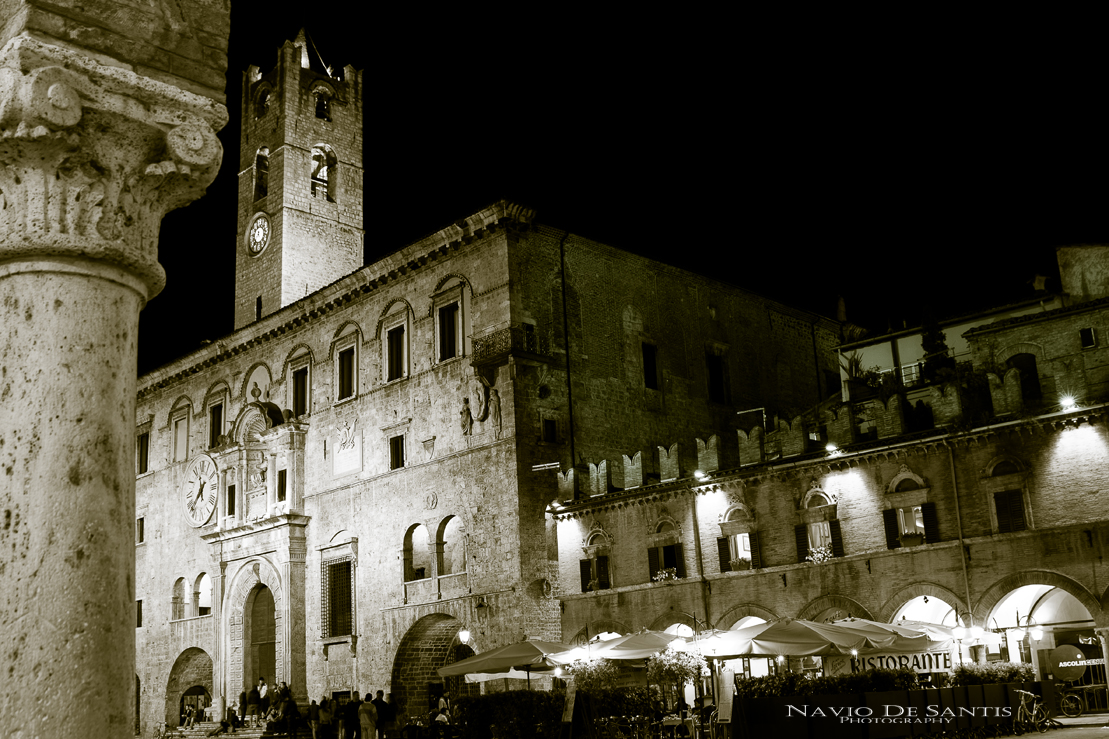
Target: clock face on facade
[[199, 490], [258, 235]]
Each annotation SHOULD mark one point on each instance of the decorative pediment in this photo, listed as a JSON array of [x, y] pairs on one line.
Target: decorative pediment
[[906, 479], [664, 530], [596, 540], [737, 520]]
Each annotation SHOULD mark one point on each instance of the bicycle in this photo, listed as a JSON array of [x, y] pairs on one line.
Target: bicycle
[[1072, 701], [1030, 717]]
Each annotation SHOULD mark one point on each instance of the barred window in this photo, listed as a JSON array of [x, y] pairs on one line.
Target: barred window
[[338, 598]]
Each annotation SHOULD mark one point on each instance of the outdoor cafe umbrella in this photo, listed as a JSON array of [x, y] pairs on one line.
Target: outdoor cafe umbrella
[[939, 637], [527, 656], [642, 645], [798, 638]]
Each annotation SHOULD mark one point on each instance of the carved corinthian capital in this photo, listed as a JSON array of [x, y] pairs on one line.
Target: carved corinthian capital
[[93, 156]]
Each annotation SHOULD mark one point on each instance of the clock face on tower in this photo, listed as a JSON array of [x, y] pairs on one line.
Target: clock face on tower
[[258, 234], [199, 490]]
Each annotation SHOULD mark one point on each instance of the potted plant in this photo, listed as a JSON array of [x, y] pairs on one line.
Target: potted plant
[[912, 540], [666, 573], [819, 554], [740, 563]]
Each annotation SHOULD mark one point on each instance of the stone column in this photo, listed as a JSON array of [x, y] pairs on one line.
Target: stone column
[[291, 564], [92, 155]]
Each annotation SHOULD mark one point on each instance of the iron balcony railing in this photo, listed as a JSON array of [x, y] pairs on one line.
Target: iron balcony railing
[[518, 339]]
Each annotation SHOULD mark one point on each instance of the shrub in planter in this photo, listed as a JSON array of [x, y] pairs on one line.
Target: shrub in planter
[[791, 684], [973, 673]]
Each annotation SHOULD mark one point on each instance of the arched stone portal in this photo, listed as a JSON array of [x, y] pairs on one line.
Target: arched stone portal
[[425, 648], [192, 669], [254, 599]]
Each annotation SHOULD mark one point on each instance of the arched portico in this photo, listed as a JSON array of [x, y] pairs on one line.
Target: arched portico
[[429, 644], [191, 671]]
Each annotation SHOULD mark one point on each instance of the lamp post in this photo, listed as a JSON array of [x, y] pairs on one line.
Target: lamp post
[[962, 631], [1027, 626], [697, 624]]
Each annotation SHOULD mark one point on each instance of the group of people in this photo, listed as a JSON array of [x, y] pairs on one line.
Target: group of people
[[355, 719], [328, 719]]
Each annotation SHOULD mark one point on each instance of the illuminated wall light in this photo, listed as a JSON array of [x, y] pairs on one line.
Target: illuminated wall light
[[700, 475], [1068, 402]]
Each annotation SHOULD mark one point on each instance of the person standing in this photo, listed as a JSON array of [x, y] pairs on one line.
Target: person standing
[[252, 702], [351, 727], [384, 720], [367, 719], [263, 698]]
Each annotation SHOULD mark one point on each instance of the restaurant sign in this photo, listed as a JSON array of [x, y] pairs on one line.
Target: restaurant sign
[[918, 662]]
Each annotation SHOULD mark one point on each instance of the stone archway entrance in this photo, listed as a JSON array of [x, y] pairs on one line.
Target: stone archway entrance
[[191, 673], [255, 613], [428, 645]]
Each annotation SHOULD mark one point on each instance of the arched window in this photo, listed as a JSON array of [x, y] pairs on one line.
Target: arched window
[[323, 104], [202, 595], [261, 173], [452, 554], [261, 103], [323, 172], [1030, 389], [417, 559], [178, 601]]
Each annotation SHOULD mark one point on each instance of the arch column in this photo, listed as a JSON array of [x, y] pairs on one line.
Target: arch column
[[1103, 639], [92, 156]]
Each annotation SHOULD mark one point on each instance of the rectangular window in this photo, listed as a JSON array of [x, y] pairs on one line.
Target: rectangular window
[[448, 332], [819, 534], [258, 308], [594, 574], [718, 385], [280, 485], [346, 373], [300, 391], [1087, 338], [395, 360], [738, 552], [142, 448], [337, 598], [396, 452], [550, 430], [215, 424], [1010, 511], [911, 520], [230, 500], [181, 438], [138, 614], [666, 557], [650, 366], [140, 533]]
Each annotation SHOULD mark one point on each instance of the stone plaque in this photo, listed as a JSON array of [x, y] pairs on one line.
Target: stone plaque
[[348, 450]]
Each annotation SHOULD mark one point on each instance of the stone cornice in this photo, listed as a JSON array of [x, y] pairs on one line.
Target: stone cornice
[[778, 470], [340, 293]]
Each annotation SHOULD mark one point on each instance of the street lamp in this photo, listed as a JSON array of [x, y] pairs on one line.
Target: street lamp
[[1029, 625]]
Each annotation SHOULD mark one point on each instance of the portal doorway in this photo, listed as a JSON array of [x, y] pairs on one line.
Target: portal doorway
[[261, 634]]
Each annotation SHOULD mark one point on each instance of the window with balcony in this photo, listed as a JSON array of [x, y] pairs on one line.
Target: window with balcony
[[665, 559], [818, 535]]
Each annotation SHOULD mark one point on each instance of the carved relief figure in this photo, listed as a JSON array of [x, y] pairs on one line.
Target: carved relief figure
[[346, 437], [467, 417], [495, 411], [479, 391]]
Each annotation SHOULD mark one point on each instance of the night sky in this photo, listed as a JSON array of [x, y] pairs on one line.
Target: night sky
[[802, 176]]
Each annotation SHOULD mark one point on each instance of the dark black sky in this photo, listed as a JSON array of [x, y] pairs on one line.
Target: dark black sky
[[802, 173]]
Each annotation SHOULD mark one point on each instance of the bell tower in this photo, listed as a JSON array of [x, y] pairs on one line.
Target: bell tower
[[300, 181]]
